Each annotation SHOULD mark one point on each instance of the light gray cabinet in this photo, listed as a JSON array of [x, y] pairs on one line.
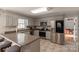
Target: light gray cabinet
[[2, 20], [48, 35], [11, 20], [36, 32]]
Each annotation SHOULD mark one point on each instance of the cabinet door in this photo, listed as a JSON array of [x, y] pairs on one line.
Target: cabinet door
[[11, 20], [52, 23], [48, 35], [2, 20], [8, 20], [36, 32], [14, 21]]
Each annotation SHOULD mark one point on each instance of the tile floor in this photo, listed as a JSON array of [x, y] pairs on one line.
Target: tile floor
[[47, 46], [33, 47], [42, 45]]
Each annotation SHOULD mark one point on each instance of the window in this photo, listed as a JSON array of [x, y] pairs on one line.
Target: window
[[22, 23]]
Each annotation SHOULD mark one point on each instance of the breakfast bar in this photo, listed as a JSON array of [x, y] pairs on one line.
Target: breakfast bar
[[20, 38]]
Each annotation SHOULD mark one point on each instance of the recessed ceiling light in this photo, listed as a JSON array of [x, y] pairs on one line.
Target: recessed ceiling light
[[39, 10]]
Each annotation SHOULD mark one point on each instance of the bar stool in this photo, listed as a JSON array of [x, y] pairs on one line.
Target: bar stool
[[14, 48], [5, 44], [1, 39]]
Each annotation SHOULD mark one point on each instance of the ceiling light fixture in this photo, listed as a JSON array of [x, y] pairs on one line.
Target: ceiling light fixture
[[39, 10]]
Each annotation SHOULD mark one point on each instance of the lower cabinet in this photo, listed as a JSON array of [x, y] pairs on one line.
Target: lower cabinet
[[48, 35], [36, 32]]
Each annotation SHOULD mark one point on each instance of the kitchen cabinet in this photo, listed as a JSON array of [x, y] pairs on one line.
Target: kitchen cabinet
[[2, 20], [53, 35], [11, 20], [48, 36], [8, 19], [52, 23], [36, 32]]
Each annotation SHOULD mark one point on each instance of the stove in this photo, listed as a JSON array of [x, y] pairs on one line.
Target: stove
[[42, 33]]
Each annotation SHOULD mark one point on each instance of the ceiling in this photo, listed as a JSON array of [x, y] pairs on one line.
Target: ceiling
[[53, 11]]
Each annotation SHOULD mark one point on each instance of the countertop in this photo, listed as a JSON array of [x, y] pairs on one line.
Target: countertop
[[21, 38]]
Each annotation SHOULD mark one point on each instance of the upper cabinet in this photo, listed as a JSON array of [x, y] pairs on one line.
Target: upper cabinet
[[52, 23], [2, 20], [11, 20], [8, 19]]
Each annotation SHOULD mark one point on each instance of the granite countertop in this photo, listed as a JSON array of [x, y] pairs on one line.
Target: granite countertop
[[11, 31], [43, 30], [21, 38]]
